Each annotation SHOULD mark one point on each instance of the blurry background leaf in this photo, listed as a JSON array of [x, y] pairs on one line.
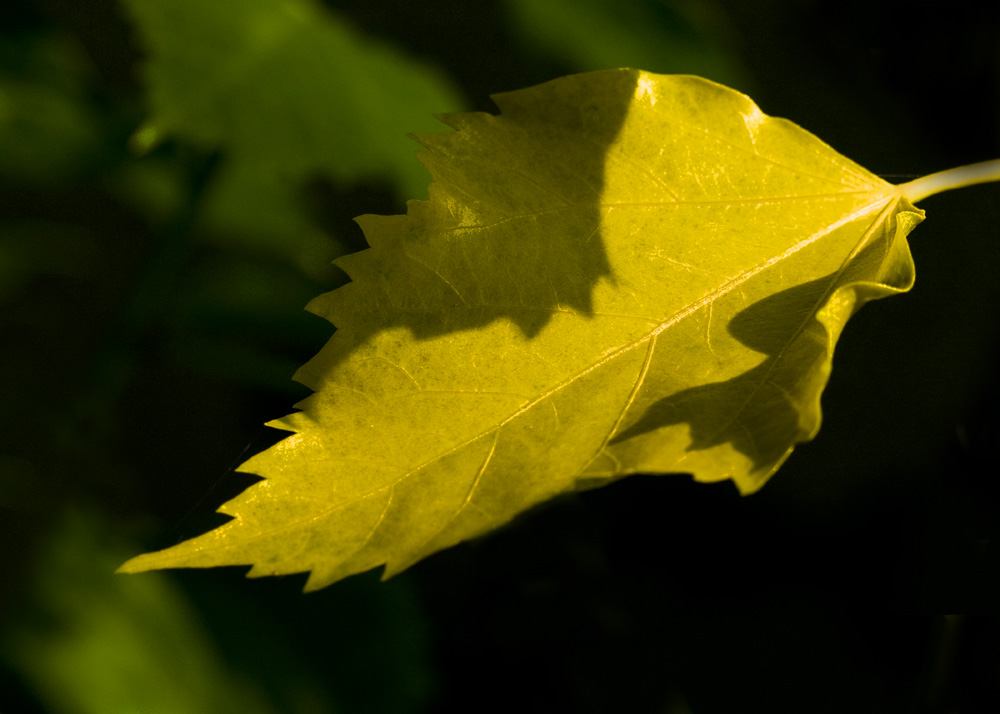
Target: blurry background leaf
[[48, 130], [112, 645], [289, 93], [286, 84], [109, 646], [269, 217], [683, 37]]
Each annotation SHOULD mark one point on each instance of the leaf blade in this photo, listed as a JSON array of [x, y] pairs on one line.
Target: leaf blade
[[476, 373]]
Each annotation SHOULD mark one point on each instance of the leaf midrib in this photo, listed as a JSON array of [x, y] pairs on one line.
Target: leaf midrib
[[776, 359], [890, 197]]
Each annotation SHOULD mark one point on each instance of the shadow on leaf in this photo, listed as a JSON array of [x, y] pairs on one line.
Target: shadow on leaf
[[512, 229], [758, 410]]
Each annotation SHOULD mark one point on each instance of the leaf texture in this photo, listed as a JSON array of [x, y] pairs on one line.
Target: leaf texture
[[621, 272]]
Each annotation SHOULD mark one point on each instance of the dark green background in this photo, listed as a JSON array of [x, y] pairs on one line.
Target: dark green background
[[141, 352]]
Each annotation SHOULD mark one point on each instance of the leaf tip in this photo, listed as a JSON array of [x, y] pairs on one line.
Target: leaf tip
[[138, 564]]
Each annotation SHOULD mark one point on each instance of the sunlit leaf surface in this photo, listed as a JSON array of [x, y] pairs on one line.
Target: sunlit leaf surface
[[622, 272]]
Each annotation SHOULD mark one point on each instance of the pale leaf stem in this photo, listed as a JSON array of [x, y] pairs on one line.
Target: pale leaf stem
[[921, 188]]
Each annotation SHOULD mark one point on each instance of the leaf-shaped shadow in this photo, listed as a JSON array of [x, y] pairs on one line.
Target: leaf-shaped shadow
[[766, 409], [512, 227]]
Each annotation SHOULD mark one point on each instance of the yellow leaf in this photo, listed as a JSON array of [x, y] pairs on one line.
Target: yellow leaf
[[622, 272]]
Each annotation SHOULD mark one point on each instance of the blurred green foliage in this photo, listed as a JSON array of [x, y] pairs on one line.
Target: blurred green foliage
[[115, 645], [280, 85], [151, 317], [680, 37], [48, 130]]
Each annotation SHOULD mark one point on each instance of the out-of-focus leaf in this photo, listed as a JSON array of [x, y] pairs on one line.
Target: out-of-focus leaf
[[286, 84], [93, 643], [48, 130], [622, 272], [257, 211], [684, 37]]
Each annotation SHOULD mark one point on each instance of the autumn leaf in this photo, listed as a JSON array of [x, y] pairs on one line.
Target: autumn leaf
[[621, 272]]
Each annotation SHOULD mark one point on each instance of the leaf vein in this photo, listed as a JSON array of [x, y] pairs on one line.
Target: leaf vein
[[865, 181], [776, 359], [605, 359]]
